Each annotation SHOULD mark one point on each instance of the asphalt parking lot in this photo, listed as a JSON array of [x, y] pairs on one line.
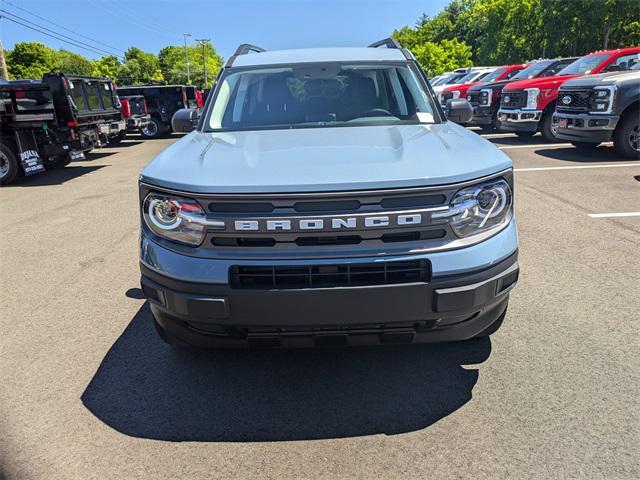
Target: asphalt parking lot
[[87, 389]]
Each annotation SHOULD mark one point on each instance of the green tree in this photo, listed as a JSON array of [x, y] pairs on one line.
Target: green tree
[[173, 64], [139, 68], [30, 60], [107, 66], [69, 62]]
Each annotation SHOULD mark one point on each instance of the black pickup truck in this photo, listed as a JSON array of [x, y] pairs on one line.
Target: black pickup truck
[[134, 112], [485, 97], [162, 102], [30, 141], [600, 108], [87, 108]]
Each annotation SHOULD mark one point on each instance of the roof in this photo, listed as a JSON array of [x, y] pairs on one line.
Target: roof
[[310, 55]]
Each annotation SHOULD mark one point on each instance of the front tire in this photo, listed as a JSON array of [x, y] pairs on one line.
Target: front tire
[[548, 130], [153, 129], [9, 166], [626, 139]]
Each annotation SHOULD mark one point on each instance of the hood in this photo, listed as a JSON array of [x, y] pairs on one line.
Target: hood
[[540, 82], [324, 159], [612, 78], [497, 84], [462, 88]]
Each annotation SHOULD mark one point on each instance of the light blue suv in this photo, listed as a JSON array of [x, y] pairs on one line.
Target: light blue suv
[[324, 199]]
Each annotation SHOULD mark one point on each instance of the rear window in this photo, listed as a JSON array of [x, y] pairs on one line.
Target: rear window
[[93, 95], [75, 88]]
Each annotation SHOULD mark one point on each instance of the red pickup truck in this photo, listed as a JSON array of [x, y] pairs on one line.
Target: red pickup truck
[[527, 106]]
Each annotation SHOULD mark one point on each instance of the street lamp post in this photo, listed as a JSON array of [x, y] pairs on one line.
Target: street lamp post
[[186, 53], [203, 42]]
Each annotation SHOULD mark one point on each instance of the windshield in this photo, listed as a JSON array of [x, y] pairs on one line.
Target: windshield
[[493, 75], [320, 95], [584, 65], [532, 70]]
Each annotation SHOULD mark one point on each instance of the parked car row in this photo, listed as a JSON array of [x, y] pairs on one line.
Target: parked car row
[[47, 123], [586, 100]]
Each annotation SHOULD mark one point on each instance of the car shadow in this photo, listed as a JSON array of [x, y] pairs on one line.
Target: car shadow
[[54, 176], [602, 153], [144, 388], [96, 155]]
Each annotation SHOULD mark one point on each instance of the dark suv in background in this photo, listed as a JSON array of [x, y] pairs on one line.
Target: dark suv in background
[[162, 102]]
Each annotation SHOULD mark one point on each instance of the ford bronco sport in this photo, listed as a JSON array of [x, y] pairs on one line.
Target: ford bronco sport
[[323, 199]]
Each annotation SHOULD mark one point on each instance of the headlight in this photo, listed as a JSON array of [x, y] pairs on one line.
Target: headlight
[[532, 98], [486, 95], [456, 93], [478, 208], [602, 99], [176, 218]]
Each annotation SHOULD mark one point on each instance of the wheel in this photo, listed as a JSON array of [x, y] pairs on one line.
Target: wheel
[[119, 137], [526, 135], [9, 167], [585, 145], [626, 138], [494, 327], [548, 130], [59, 161], [153, 129]]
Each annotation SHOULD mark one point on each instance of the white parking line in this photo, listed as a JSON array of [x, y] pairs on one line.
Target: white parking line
[[610, 215], [540, 145], [497, 135], [539, 169]]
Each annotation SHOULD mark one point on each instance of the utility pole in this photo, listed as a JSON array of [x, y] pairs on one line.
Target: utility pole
[[186, 53], [3, 65], [203, 42]]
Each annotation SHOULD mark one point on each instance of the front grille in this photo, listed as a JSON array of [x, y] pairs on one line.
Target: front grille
[[513, 99], [573, 100], [328, 275], [473, 98], [445, 96]]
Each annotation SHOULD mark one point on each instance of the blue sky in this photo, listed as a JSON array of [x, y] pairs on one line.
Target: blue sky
[[272, 24]]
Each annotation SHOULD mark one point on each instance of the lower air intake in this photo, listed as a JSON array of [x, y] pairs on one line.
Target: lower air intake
[[327, 276]]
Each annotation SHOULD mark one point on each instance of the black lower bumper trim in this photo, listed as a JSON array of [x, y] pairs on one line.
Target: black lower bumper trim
[[202, 314]]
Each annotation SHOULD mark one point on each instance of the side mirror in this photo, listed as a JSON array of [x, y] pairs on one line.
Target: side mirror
[[459, 110], [184, 120]]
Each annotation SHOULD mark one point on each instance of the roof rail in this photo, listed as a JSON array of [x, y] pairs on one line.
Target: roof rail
[[243, 49], [387, 42], [247, 48]]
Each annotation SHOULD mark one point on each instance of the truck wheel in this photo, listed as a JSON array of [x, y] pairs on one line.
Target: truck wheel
[[153, 129], [9, 168], [585, 146], [626, 138], [119, 137], [548, 130]]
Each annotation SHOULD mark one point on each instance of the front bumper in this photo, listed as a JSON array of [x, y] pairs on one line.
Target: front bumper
[[482, 115], [467, 292], [585, 127], [518, 120], [137, 122]]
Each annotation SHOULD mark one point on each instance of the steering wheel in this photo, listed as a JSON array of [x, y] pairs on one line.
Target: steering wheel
[[375, 112]]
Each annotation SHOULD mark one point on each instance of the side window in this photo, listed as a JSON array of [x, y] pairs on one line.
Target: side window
[[625, 62], [512, 73]]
